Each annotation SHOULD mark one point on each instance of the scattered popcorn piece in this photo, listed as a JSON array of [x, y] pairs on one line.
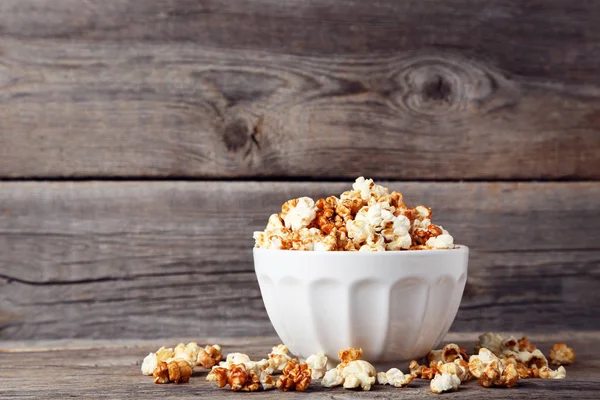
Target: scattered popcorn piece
[[521, 368], [451, 352], [296, 376], [423, 371], [535, 359], [358, 373], [278, 358], [209, 356], [394, 377], [151, 360], [351, 372], [149, 364], [178, 371], [498, 374], [479, 362], [161, 373], [547, 373], [332, 378], [317, 364], [237, 376], [458, 367], [561, 354], [187, 353], [444, 382]]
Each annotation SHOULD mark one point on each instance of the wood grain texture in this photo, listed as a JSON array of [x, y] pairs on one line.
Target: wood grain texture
[[97, 370], [262, 88], [157, 259]]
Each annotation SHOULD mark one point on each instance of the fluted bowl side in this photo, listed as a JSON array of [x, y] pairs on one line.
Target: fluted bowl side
[[395, 305]]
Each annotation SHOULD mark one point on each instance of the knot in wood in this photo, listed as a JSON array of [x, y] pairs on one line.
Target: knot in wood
[[235, 134], [436, 85]]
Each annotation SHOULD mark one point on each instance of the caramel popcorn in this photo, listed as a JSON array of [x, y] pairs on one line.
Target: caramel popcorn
[[348, 355], [424, 371], [499, 374], [151, 360], [296, 376], [366, 218], [561, 355], [444, 382], [178, 371], [238, 377], [479, 362], [547, 373], [415, 369], [525, 345], [209, 356], [187, 353], [394, 377], [451, 352]]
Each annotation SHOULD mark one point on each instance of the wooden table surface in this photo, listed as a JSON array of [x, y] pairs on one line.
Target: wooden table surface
[[111, 369]]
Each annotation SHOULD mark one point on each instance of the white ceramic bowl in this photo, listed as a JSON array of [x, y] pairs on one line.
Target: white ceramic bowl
[[395, 305]]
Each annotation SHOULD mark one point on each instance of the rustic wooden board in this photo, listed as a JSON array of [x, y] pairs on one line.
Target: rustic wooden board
[[262, 88], [112, 370], [158, 259]]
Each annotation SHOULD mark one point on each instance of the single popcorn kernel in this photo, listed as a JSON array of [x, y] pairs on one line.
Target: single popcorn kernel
[[209, 356], [358, 373], [547, 373], [561, 355], [450, 352], [317, 364], [296, 376], [394, 377], [444, 382], [349, 355], [178, 371], [161, 373], [498, 374], [219, 375], [458, 367], [278, 358]]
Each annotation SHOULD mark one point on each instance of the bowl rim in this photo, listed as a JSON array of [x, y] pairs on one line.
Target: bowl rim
[[459, 248]]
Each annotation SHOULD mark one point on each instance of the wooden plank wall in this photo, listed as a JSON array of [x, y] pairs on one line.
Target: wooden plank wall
[[142, 141]]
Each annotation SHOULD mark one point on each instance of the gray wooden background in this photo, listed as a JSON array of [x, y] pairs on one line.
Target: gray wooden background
[[142, 141]]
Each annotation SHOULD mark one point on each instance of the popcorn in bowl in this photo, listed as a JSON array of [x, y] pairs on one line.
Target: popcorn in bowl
[[366, 218]]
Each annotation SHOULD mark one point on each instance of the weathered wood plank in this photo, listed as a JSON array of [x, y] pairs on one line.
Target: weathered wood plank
[[95, 370], [157, 259], [398, 90]]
